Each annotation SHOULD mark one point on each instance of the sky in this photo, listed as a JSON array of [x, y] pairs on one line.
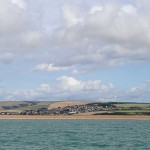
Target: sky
[[97, 50]]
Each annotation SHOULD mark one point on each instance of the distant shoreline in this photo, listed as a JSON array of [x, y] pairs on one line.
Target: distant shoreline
[[76, 117]]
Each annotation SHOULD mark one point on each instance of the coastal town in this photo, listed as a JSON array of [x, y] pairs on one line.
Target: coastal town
[[64, 108], [68, 110]]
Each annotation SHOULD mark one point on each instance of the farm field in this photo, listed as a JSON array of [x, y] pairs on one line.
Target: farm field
[[66, 103], [130, 105]]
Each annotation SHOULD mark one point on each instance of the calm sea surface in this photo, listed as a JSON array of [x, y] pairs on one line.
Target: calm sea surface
[[74, 134]]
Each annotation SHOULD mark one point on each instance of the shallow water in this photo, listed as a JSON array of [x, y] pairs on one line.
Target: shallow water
[[74, 134]]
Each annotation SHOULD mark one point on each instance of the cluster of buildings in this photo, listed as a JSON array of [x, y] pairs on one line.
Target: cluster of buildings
[[68, 110]]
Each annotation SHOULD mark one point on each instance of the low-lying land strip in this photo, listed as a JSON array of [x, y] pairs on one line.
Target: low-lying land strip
[[76, 117], [74, 108]]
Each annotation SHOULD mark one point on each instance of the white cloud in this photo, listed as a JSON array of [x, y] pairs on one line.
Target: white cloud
[[108, 35], [128, 9], [95, 9], [65, 88], [141, 93], [73, 35], [19, 3], [70, 83], [94, 36], [12, 19], [49, 68], [33, 39], [70, 88], [70, 15]]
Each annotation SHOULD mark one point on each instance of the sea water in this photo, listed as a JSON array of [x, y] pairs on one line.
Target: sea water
[[74, 134]]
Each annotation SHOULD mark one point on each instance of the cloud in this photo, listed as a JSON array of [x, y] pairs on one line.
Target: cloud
[[129, 9], [69, 14], [70, 88], [6, 57], [19, 3], [108, 35], [141, 93], [65, 88], [20, 29], [92, 36], [49, 68], [12, 19], [33, 39], [70, 84], [95, 9], [73, 37]]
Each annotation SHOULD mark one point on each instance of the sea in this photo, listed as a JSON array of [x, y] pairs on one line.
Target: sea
[[74, 134]]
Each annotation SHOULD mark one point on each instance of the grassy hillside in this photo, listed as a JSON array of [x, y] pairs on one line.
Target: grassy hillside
[[18, 105], [133, 105], [66, 103], [38, 105], [4, 104]]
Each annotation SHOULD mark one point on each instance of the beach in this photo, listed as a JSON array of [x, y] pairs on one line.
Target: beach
[[76, 117]]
